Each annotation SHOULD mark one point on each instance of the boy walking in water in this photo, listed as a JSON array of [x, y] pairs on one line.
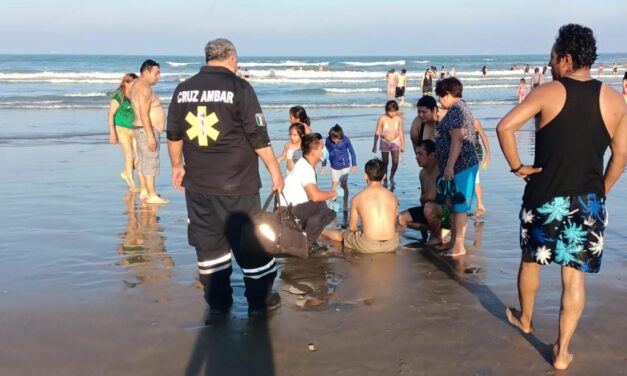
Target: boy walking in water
[[377, 207], [339, 147]]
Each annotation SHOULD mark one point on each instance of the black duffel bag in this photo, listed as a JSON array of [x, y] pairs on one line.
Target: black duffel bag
[[279, 231]]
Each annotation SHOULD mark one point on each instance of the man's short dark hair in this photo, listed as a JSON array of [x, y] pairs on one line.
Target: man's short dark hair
[[427, 101], [429, 146], [309, 141], [336, 132], [148, 65], [577, 41], [375, 169], [449, 85]]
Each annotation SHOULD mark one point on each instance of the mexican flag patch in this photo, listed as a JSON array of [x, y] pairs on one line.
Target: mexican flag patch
[[260, 119]]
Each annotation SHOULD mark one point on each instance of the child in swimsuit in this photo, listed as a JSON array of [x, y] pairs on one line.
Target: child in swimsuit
[[522, 90], [390, 130], [291, 151]]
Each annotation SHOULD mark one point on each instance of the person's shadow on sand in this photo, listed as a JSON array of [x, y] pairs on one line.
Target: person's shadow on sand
[[454, 268], [229, 345]]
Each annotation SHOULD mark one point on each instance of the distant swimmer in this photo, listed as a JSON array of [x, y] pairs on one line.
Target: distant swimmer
[[149, 122], [537, 79], [401, 82], [614, 68], [601, 69], [526, 68], [522, 90], [390, 78], [426, 82], [443, 72], [484, 70], [563, 215], [453, 71], [246, 73]]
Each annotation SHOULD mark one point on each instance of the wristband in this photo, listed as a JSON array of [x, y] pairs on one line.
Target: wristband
[[515, 170]]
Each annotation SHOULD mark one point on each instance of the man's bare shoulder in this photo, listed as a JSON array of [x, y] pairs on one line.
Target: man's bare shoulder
[[613, 97]]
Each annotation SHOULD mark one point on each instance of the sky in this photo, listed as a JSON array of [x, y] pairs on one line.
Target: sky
[[304, 27]]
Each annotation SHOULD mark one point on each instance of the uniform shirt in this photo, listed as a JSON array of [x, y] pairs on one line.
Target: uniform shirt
[[218, 117], [457, 117], [294, 190]]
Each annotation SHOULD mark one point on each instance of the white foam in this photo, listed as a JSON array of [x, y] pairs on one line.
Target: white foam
[[94, 94], [287, 63], [357, 90], [313, 74], [373, 63], [176, 64], [422, 61], [305, 81], [67, 77]]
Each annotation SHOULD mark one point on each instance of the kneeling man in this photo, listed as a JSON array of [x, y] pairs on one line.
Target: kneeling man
[[427, 215], [377, 207]]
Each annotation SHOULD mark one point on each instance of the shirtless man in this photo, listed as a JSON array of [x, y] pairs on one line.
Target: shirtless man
[[401, 82], [149, 122], [377, 207], [427, 215]]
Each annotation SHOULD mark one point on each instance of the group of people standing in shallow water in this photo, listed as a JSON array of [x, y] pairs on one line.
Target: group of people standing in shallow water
[[562, 218], [452, 142]]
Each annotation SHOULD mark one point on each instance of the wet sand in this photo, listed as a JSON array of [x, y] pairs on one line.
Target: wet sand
[[94, 283]]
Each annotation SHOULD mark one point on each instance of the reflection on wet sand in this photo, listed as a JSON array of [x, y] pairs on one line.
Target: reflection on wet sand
[[143, 247]]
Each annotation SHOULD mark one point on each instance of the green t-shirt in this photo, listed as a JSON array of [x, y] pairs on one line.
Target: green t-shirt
[[124, 116]]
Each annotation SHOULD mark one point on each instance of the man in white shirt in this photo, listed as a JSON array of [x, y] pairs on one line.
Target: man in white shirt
[[301, 190]]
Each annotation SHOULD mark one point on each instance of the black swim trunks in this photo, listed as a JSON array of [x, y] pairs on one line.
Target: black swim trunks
[[417, 214], [567, 231], [400, 92]]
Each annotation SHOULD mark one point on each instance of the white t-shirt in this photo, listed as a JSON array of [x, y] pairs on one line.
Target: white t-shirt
[[295, 182]]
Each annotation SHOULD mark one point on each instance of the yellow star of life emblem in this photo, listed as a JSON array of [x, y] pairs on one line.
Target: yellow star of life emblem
[[202, 126]]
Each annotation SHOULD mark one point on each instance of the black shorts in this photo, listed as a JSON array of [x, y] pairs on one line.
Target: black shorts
[[208, 215], [417, 214], [400, 92]]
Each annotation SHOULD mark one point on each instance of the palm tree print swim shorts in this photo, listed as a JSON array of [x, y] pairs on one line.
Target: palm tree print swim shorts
[[567, 231]]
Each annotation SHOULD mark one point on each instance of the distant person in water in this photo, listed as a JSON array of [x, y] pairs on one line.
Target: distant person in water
[[484, 71], [390, 131], [563, 214], [120, 119], [522, 90], [526, 68], [537, 79], [426, 82], [377, 208], [401, 83], [390, 78], [601, 69], [614, 68], [544, 68]]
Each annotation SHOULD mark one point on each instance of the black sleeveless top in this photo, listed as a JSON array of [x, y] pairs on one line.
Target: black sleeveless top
[[570, 147]]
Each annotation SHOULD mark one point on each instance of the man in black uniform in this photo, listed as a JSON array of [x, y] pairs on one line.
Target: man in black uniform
[[216, 125]]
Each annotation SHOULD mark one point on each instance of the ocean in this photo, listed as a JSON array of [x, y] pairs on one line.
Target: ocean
[[58, 90]]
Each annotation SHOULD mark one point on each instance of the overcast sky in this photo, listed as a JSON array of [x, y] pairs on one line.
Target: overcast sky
[[304, 27]]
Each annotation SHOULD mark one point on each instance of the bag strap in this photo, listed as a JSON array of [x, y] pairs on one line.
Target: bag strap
[[268, 200]]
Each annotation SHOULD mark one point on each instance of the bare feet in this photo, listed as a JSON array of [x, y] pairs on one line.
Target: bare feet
[[454, 251], [156, 200], [561, 361], [143, 195], [129, 181], [513, 316]]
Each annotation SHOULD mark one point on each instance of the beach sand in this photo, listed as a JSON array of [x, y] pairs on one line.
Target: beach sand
[[93, 283]]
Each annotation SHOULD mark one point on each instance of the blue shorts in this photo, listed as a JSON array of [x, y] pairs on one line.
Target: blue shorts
[[565, 230], [465, 182]]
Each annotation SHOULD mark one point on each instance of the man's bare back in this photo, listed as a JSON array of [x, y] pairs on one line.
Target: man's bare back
[[427, 184], [377, 207]]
